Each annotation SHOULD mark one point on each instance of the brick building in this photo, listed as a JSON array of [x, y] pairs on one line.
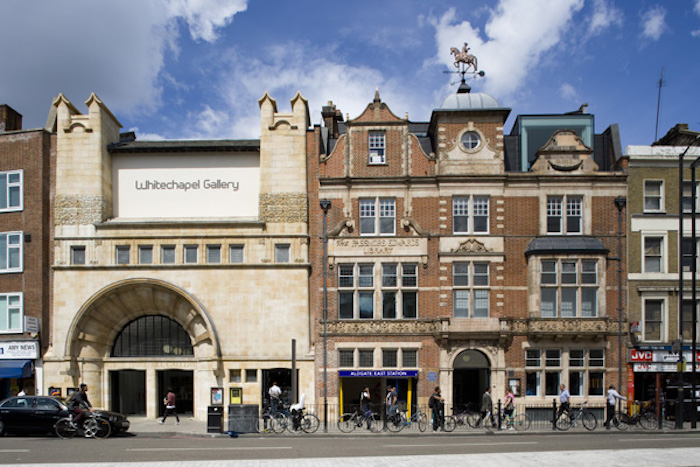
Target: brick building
[[655, 286], [25, 213], [465, 257]]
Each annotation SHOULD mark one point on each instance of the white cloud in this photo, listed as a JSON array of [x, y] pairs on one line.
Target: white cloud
[[696, 33], [568, 92], [654, 23], [204, 17], [605, 15], [71, 48], [515, 38]]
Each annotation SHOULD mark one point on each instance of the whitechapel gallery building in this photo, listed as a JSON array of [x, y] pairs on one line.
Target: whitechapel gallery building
[[179, 264]]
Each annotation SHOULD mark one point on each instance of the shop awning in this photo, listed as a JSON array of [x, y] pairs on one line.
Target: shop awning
[[15, 368]]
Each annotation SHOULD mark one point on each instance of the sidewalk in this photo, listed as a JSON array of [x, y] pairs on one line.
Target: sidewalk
[[190, 427]]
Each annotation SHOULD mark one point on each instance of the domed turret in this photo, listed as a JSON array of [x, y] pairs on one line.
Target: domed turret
[[469, 101]]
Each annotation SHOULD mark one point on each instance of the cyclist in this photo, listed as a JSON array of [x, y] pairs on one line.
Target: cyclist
[[79, 399]]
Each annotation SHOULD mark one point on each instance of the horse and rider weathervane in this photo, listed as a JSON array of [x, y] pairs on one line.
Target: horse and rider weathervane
[[465, 63]]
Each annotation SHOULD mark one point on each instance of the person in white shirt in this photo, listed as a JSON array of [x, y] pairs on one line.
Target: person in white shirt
[[275, 393], [613, 395], [564, 400]]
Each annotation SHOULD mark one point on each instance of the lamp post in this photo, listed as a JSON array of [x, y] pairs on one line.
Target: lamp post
[[620, 203], [325, 206]]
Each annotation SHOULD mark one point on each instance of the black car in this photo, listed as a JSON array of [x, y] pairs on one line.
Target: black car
[[38, 414]]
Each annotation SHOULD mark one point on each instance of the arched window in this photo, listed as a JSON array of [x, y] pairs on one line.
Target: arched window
[[152, 336]]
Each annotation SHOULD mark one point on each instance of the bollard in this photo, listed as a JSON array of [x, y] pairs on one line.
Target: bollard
[[554, 414], [500, 414]]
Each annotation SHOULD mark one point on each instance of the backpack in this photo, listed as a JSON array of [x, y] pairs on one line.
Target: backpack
[[431, 402]]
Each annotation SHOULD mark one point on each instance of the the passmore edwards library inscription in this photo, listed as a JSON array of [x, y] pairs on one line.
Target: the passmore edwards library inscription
[[378, 246]]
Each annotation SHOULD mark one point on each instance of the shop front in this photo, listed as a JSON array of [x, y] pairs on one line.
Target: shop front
[[352, 382], [18, 367]]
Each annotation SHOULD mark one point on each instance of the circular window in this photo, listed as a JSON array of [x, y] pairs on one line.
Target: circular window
[[470, 140]]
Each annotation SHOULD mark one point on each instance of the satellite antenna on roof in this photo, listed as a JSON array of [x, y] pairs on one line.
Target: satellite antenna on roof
[[466, 64]]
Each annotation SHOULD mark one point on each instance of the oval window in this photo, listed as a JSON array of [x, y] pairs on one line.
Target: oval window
[[470, 140]]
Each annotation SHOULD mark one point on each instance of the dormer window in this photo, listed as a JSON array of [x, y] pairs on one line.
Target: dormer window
[[377, 145]]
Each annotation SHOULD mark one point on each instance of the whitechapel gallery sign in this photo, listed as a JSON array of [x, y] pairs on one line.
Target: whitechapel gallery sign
[[174, 186]]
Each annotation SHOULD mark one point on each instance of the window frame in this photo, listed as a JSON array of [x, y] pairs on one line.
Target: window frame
[[5, 327], [213, 249], [12, 249], [562, 210], [661, 255], [142, 249], [283, 253], [372, 212], [376, 144], [169, 249], [74, 249], [122, 255], [465, 286], [662, 321], [235, 247], [466, 209], [558, 289], [9, 186], [188, 249], [647, 196]]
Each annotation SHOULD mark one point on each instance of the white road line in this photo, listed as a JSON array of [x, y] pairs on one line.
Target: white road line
[[15, 450], [644, 440], [456, 444], [265, 448]]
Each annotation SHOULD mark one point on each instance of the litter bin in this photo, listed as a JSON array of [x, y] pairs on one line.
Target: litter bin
[[215, 416], [243, 418]]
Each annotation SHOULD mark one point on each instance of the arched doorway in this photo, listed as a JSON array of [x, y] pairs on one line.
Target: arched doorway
[[151, 336], [471, 377]]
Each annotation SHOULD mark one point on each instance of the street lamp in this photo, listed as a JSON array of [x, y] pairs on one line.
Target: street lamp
[[620, 203], [325, 206]]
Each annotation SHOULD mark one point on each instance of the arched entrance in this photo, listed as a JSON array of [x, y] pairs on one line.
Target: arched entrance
[[471, 377], [151, 336], [145, 335]]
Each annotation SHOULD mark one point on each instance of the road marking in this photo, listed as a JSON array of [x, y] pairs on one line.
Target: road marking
[[456, 444], [694, 438], [15, 450], [266, 448]]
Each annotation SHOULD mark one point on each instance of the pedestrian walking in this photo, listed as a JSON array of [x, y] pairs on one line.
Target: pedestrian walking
[[169, 402], [564, 397], [487, 407], [509, 408], [275, 394], [613, 396]]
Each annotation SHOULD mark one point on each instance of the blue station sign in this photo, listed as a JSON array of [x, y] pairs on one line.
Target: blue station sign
[[378, 373]]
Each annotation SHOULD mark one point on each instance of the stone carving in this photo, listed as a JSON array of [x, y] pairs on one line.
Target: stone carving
[[381, 327], [576, 326], [81, 209], [471, 246], [345, 223], [283, 207], [409, 223]]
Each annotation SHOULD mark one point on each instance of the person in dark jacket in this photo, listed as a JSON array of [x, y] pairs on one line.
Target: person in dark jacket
[[77, 402], [170, 406]]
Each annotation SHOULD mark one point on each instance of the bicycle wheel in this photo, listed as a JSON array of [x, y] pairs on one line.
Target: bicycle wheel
[[347, 422], [621, 421], [310, 423], [422, 420], [64, 429], [375, 423], [279, 422], [474, 419], [395, 423], [449, 424], [649, 421], [265, 424], [589, 421], [97, 428], [563, 422], [521, 422]]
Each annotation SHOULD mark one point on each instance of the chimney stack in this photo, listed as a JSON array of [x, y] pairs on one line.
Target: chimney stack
[[10, 119]]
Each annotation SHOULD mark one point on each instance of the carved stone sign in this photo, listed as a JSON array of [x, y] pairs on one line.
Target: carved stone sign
[[378, 246]]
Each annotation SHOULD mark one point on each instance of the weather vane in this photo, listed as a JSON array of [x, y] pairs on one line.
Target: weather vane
[[465, 63]]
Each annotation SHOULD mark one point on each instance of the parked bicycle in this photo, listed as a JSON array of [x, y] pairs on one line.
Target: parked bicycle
[[273, 423], [644, 416], [299, 421], [350, 421], [515, 421], [466, 418], [94, 426], [573, 417]]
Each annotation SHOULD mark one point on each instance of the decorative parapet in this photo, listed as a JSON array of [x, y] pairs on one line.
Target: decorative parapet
[[283, 207], [592, 328], [81, 209], [381, 327]]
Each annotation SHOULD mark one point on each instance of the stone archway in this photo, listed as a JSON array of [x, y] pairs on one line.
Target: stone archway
[[471, 376], [103, 316]]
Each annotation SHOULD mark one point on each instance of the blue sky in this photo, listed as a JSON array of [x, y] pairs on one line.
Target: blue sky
[[183, 69]]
